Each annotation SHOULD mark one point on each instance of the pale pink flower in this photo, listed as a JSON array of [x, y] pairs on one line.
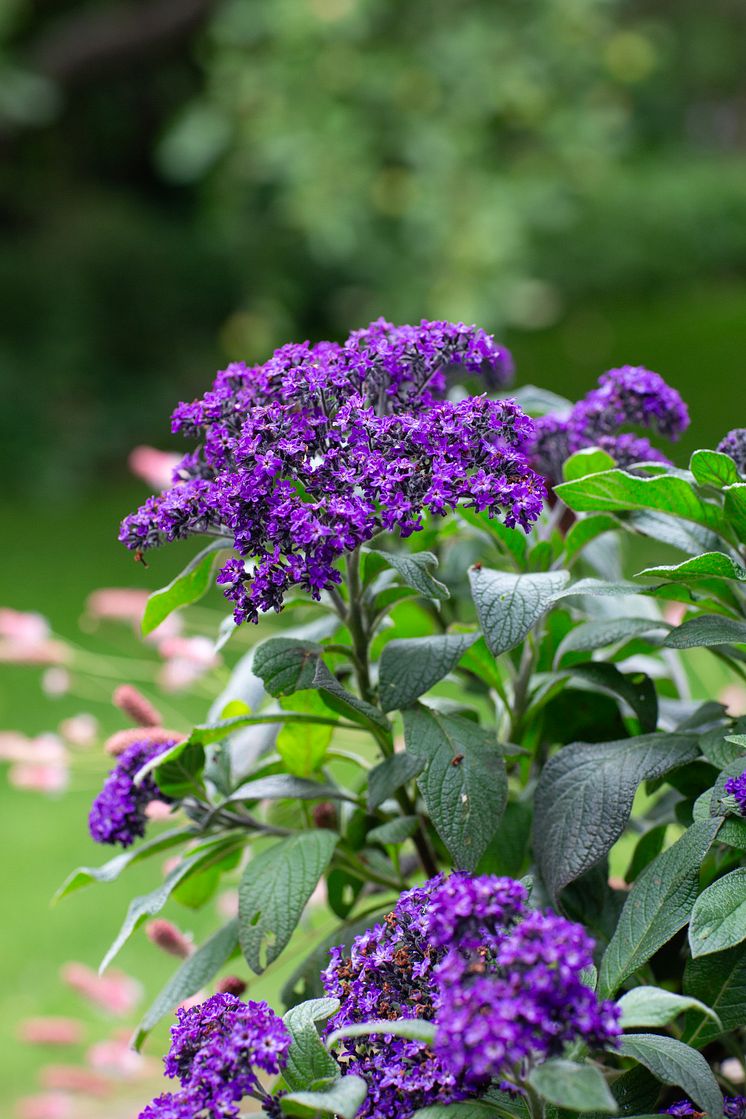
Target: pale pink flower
[[170, 939], [193, 1000], [55, 682], [38, 778], [14, 747], [80, 730], [40, 764], [178, 675], [227, 904], [51, 1031], [118, 742], [158, 810], [124, 604], [72, 1078], [46, 1105], [135, 706], [199, 651], [674, 612], [114, 1058], [733, 697], [153, 466], [116, 993], [26, 629]]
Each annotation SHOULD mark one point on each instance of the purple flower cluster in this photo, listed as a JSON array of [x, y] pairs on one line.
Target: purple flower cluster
[[736, 787], [502, 984], [310, 455], [118, 813], [628, 396], [734, 1107], [217, 1049], [734, 444]]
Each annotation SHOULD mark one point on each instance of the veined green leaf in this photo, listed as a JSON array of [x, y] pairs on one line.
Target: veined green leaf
[[193, 582]]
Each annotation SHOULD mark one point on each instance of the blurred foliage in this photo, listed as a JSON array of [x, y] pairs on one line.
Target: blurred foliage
[[191, 180]]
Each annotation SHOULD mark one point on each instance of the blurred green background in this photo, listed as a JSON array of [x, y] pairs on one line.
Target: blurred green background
[[187, 182]]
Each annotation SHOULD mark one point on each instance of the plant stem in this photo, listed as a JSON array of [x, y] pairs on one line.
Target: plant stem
[[534, 1101], [357, 627]]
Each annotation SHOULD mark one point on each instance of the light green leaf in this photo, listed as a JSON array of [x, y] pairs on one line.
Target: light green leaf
[[684, 535], [509, 606], [465, 784], [573, 1087], [652, 1006], [713, 468], [303, 747], [286, 665], [86, 875], [193, 974], [193, 582], [415, 1029], [606, 631], [658, 905], [279, 786], [591, 460], [709, 565], [584, 799], [734, 508], [409, 667], [342, 1100], [719, 915], [586, 529], [274, 889], [308, 1059], [673, 1062], [217, 732]]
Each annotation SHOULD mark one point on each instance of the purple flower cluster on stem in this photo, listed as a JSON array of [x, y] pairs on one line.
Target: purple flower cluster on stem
[[217, 1051], [734, 444], [118, 812], [312, 454], [736, 788], [629, 396], [734, 1107]]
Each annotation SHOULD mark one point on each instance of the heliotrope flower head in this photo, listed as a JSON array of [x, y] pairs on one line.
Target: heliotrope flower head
[[501, 983], [734, 444], [118, 813], [310, 455], [218, 1049], [630, 396], [736, 788], [734, 1107]]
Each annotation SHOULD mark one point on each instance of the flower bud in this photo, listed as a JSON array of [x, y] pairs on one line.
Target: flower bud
[[134, 704]]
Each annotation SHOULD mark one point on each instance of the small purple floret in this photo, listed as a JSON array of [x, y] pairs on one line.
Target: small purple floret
[[118, 812], [736, 787], [734, 444]]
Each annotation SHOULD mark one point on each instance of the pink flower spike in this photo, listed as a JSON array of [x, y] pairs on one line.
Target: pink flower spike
[[26, 629], [47, 1105], [153, 466], [121, 740], [115, 993], [51, 1031], [55, 682], [71, 1078], [115, 1059], [135, 706], [38, 778], [170, 939]]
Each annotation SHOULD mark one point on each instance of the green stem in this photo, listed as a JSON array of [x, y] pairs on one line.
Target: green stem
[[357, 628], [534, 1101]]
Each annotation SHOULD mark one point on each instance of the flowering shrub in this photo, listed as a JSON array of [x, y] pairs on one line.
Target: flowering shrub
[[447, 731]]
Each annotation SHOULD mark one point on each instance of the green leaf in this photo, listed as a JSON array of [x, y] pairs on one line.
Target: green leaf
[[588, 636], [719, 915], [586, 529], [635, 688], [584, 799], [706, 630], [673, 1062], [720, 979], [286, 665], [573, 1087], [652, 1006], [474, 1109], [391, 774], [536, 401], [684, 535], [465, 785], [342, 1100], [415, 1029], [394, 831], [193, 582], [274, 889], [209, 854], [658, 905], [509, 606], [178, 773], [308, 1058], [356, 709], [86, 875], [618, 491], [601, 588], [303, 747], [719, 747], [415, 570], [713, 468], [217, 732], [709, 565], [279, 786], [193, 974], [512, 541], [591, 460], [734, 508], [410, 666]]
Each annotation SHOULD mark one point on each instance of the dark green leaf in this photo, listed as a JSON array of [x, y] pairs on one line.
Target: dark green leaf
[[584, 799], [707, 629], [193, 974], [409, 667], [719, 916], [179, 773], [719, 980], [286, 665], [280, 785], [635, 688], [193, 582], [474, 1109], [508, 849], [356, 709], [658, 905], [274, 889], [509, 606], [649, 845], [308, 1058], [573, 1087], [342, 1100], [218, 732], [606, 631], [652, 1006], [713, 468], [710, 565], [465, 785], [391, 774], [673, 1062], [718, 747], [734, 508], [394, 831], [85, 875], [415, 570]]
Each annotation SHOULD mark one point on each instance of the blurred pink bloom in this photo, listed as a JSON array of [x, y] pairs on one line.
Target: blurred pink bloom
[[14, 746], [193, 1000], [733, 697], [138, 709], [115, 992], [38, 778], [26, 629], [177, 676], [115, 1059], [153, 466], [55, 682], [158, 810], [48, 1105], [170, 864], [170, 939], [39, 764], [187, 658], [118, 742], [674, 612], [51, 1031], [227, 904], [124, 604], [72, 1078], [80, 730]]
